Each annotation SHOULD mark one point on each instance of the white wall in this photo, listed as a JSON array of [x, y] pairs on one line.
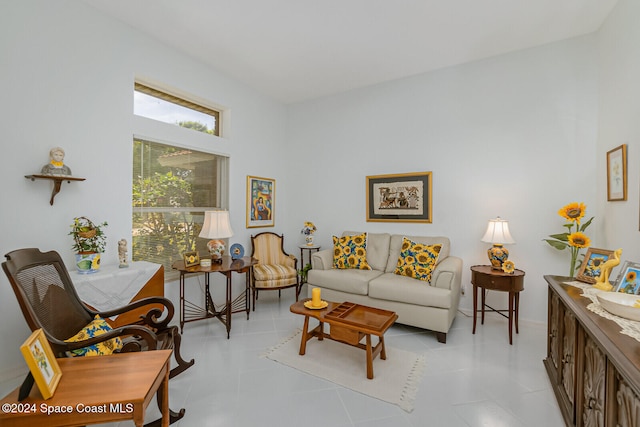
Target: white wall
[[511, 136], [66, 78], [619, 105]]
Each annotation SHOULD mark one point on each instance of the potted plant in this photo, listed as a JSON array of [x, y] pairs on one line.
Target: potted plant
[[89, 241]]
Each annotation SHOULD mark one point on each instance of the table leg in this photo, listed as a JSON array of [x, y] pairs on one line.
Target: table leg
[[511, 297], [517, 310], [369, 358], [181, 302], [304, 338], [228, 307], [247, 285], [165, 400], [484, 293], [383, 352], [475, 307]]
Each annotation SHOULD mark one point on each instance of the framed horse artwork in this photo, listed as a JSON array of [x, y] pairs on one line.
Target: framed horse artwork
[[399, 197]]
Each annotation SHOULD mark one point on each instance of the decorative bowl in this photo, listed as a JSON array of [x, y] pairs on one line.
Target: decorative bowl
[[620, 304]]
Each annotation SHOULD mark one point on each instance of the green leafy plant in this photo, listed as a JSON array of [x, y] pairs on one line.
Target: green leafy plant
[[572, 239], [304, 273], [87, 236]]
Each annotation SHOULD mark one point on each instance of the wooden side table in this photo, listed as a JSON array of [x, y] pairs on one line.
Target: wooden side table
[[190, 312], [483, 276], [95, 390], [309, 250]]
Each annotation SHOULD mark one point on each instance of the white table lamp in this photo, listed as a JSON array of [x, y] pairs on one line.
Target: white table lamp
[[216, 226], [498, 234]]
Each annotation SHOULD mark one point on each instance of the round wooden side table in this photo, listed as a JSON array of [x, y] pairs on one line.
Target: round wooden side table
[[483, 276]]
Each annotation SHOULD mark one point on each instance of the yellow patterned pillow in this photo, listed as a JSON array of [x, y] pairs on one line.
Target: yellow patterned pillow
[[417, 260], [97, 327], [350, 252]]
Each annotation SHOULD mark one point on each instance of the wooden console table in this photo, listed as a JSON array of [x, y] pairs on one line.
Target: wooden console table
[[593, 368], [190, 312], [95, 390]]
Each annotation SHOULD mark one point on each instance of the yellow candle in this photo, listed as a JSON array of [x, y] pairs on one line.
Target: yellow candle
[[315, 297]]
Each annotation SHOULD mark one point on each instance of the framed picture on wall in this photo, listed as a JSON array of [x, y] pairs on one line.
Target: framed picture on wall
[[260, 201], [628, 281], [617, 173], [591, 266], [399, 197]]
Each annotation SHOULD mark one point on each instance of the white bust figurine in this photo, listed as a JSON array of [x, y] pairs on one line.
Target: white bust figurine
[[56, 166], [122, 253]]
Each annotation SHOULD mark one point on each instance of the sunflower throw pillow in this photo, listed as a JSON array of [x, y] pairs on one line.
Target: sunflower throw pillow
[[417, 260], [350, 252], [98, 326]]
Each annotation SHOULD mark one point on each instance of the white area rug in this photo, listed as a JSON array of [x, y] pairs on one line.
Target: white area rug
[[395, 380]]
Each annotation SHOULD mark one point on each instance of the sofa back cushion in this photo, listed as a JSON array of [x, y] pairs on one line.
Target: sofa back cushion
[[395, 247], [377, 249]]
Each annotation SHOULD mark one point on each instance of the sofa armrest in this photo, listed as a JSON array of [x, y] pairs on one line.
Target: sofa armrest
[[322, 260], [448, 274]]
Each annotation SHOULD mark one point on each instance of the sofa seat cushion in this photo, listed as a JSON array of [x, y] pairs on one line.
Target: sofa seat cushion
[[392, 287], [351, 280]]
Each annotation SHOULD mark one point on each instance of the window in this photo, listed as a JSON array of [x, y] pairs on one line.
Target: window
[[158, 105], [172, 188]]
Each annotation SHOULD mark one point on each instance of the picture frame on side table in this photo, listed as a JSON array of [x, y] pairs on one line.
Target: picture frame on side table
[[399, 197], [191, 259], [43, 365], [261, 194], [590, 268], [628, 280], [617, 174]]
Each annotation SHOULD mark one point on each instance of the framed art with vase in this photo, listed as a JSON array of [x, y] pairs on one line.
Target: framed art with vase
[[617, 173], [260, 202]]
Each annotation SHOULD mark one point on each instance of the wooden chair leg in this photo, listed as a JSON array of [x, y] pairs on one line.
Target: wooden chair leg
[[183, 365], [173, 416]]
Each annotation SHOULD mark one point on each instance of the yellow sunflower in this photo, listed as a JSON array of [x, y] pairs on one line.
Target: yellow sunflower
[[573, 212], [508, 266], [631, 276], [579, 240]]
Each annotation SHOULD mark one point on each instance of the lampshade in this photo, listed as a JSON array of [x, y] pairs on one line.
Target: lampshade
[[498, 232], [216, 226]]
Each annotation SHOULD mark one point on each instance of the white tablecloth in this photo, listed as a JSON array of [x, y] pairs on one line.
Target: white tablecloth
[[113, 287]]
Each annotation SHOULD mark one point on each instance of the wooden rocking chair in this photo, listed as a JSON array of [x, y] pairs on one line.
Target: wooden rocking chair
[[49, 301]]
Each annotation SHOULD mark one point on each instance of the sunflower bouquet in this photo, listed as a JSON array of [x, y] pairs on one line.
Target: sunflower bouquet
[[574, 239], [308, 228]]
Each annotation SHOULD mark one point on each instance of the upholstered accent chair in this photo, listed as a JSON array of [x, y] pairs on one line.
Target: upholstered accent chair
[[276, 269]]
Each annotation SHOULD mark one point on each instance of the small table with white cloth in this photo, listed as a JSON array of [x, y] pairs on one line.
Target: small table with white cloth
[[113, 287]]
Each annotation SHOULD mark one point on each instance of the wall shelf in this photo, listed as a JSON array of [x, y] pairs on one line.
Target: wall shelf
[[57, 182]]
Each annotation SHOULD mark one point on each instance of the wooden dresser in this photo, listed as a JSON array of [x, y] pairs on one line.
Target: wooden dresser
[[593, 368]]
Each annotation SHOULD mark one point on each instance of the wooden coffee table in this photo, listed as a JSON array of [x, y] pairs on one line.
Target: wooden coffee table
[[349, 323]]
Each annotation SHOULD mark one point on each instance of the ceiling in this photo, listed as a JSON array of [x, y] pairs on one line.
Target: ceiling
[[295, 50]]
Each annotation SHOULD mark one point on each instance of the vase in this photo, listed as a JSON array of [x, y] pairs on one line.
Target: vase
[[88, 262], [309, 239]]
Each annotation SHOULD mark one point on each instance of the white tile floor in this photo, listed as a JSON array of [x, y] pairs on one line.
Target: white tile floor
[[472, 381]]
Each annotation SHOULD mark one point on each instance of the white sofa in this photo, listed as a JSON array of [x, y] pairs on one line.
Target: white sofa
[[428, 305]]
